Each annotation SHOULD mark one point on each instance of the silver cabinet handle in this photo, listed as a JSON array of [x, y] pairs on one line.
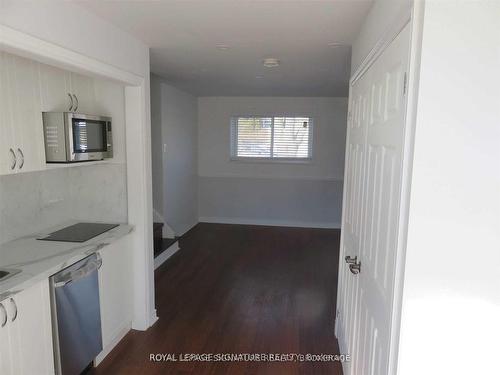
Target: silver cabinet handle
[[15, 309], [76, 98], [71, 104], [2, 307], [21, 158], [14, 159], [351, 260]]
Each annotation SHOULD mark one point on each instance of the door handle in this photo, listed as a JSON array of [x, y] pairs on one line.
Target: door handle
[[13, 158], [2, 307], [71, 105], [21, 158], [351, 260], [76, 99], [15, 309], [355, 268]]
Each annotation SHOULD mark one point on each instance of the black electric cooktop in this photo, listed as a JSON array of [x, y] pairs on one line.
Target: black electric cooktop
[[79, 232]]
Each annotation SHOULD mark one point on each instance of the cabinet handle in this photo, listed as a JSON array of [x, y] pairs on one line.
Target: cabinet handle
[[71, 105], [15, 309], [76, 98], [14, 159], [2, 307], [21, 158]]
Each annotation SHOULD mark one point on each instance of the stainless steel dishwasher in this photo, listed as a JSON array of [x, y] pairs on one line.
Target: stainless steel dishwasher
[[76, 317]]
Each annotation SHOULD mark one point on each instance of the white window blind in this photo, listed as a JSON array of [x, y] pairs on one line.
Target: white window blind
[[277, 137]]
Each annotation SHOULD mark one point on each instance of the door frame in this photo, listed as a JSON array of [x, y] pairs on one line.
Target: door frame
[[414, 17], [138, 153]]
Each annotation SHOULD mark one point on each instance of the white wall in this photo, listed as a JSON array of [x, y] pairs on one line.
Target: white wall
[[271, 193], [451, 300], [175, 155]]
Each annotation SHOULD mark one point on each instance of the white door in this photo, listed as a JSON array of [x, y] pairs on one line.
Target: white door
[[370, 221]]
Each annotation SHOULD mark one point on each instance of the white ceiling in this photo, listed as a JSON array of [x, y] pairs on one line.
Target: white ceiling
[[184, 35]]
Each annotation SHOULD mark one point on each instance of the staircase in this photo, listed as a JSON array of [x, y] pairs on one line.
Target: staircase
[[161, 244], [157, 238]]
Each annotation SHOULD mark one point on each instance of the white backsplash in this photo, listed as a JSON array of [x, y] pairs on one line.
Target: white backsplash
[[31, 202]]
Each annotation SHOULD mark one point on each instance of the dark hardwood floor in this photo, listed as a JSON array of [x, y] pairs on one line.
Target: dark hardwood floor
[[240, 289]]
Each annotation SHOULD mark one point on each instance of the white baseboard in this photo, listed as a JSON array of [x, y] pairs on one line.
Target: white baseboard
[[117, 337], [274, 223], [160, 259]]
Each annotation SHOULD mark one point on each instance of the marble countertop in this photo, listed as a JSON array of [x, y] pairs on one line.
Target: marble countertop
[[37, 260]]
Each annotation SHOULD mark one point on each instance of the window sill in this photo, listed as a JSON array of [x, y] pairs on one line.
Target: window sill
[[271, 160]]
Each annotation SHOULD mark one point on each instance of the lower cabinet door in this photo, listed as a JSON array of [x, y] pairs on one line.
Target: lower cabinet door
[[6, 361], [30, 331], [115, 286]]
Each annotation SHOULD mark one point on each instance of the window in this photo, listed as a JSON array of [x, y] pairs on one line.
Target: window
[[274, 138]]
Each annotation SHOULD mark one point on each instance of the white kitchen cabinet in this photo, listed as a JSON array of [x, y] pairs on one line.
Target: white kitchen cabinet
[[115, 293], [5, 347], [55, 89], [22, 148], [26, 338], [7, 149], [63, 91], [83, 88], [28, 88]]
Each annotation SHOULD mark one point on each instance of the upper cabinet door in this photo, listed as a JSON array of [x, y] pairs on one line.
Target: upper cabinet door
[[27, 115], [7, 152], [55, 87], [83, 88]]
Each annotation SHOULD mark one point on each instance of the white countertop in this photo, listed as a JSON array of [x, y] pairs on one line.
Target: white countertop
[[38, 260]]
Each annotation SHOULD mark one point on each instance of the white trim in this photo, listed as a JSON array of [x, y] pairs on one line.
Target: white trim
[[403, 18], [28, 46], [277, 177], [408, 148], [166, 230], [157, 217], [267, 222], [162, 258]]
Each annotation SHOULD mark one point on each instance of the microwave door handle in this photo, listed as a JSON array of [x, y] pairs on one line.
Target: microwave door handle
[[71, 100], [76, 99]]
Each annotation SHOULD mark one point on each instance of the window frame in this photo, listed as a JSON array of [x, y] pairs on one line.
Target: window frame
[[233, 141]]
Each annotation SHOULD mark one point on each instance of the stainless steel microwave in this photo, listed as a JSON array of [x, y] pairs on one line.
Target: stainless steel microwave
[[74, 137]]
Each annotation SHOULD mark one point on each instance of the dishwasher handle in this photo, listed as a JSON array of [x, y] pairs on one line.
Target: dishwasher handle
[[68, 277]]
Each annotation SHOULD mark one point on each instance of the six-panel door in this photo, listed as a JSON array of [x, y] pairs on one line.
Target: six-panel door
[[374, 164]]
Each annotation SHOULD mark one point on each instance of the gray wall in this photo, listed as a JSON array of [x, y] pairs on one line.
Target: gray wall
[[175, 155], [156, 147], [295, 194]]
